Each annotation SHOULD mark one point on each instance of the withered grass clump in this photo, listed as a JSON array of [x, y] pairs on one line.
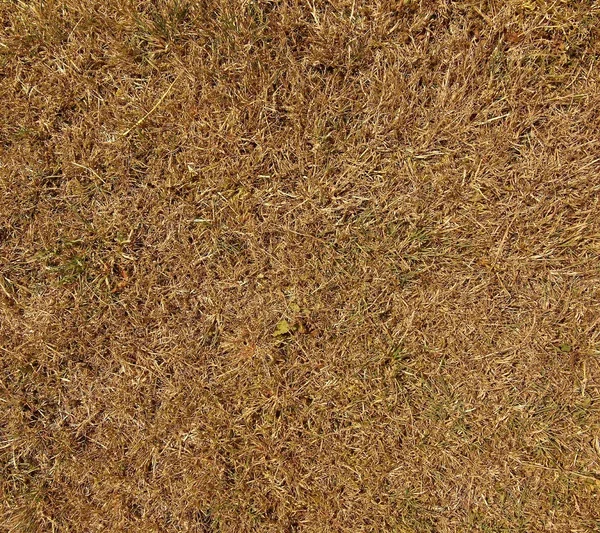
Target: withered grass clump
[[278, 266]]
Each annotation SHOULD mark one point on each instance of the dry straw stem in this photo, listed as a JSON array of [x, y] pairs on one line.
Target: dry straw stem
[[341, 275], [154, 108]]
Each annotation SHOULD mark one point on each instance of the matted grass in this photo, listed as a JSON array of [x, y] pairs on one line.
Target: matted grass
[[299, 266]]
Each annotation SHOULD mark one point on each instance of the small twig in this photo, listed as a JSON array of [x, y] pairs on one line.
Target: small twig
[[154, 107]]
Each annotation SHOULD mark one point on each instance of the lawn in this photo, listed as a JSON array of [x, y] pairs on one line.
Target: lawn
[[299, 266]]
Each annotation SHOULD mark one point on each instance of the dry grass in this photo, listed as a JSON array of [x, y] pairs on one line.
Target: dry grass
[[412, 186]]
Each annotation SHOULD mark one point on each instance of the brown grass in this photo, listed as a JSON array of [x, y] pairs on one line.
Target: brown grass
[[413, 187]]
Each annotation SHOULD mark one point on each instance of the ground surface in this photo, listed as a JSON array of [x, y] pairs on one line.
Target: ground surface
[[293, 266]]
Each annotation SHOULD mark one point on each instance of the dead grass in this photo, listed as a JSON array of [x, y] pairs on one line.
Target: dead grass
[[413, 186]]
